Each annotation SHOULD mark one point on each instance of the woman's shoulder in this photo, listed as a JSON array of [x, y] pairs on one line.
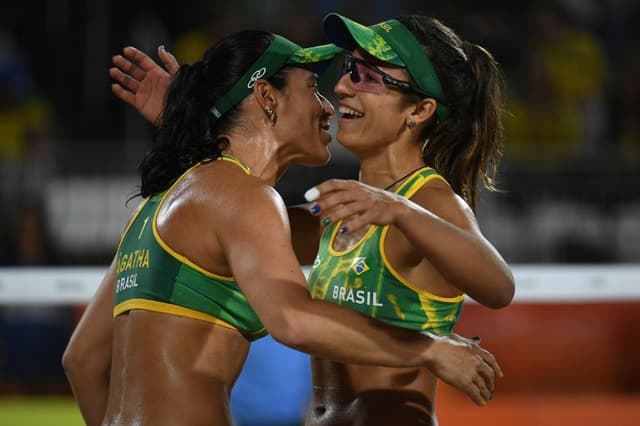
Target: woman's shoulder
[[439, 198], [230, 189]]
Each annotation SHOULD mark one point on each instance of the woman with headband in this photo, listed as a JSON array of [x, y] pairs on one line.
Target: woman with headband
[[194, 278], [421, 109]]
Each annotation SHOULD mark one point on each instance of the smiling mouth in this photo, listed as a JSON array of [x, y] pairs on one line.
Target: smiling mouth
[[349, 113]]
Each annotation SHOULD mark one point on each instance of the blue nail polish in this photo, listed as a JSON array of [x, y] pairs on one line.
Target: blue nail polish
[[315, 209], [343, 229]]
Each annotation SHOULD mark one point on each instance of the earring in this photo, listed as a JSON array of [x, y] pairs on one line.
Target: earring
[[272, 114], [424, 145], [411, 124]]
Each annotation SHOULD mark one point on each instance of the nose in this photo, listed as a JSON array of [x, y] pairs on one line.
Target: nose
[[344, 86], [327, 106]]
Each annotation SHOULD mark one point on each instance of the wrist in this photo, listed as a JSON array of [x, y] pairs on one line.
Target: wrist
[[403, 211], [429, 355]]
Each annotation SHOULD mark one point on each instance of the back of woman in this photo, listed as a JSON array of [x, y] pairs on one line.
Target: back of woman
[[169, 369], [182, 325]]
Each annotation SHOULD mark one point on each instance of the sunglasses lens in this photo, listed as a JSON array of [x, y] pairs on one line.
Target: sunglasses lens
[[349, 66]]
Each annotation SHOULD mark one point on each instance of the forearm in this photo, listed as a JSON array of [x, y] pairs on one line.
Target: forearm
[[87, 358], [92, 394], [330, 331], [464, 258]]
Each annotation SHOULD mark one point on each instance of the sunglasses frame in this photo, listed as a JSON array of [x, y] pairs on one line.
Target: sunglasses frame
[[349, 66]]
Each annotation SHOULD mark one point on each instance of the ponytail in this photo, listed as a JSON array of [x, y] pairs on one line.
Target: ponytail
[[184, 137], [466, 147], [485, 114]]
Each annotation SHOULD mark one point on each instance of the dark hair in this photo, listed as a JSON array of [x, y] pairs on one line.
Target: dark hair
[[188, 133], [466, 146]]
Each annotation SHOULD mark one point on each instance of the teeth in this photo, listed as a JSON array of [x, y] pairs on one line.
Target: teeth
[[348, 111]]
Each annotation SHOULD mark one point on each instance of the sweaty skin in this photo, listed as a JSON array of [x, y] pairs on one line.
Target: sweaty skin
[[409, 391]]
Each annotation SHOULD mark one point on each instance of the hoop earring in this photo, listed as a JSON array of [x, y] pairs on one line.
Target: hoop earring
[[424, 145], [272, 114], [411, 124]]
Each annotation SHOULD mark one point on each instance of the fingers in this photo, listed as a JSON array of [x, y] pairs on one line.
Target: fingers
[[140, 59], [129, 63], [124, 80], [480, 390], [488, 358], [123, 94], [325, 187], [485, 380], [170, 62], [341, 206], [475, 393]]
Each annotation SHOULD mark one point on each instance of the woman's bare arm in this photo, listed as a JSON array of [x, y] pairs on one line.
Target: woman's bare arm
[[87, 358], [438, 224], [262, 260]]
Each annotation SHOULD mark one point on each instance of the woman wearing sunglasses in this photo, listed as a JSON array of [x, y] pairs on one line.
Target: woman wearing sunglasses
[[421, 109]]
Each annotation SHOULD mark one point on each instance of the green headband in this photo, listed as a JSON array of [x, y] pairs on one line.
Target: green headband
[[390, 41], [279, 53]]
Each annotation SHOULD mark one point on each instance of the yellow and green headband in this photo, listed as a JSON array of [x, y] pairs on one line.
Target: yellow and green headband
[[279, 53]]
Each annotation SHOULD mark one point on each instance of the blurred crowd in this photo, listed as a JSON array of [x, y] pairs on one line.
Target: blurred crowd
[[572, 156]]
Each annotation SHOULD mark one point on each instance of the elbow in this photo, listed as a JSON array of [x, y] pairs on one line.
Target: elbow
[[72, 363], [291, 334], [503, 296], [78, 365]]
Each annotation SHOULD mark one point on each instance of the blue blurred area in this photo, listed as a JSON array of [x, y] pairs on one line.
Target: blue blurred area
[[274, 386]]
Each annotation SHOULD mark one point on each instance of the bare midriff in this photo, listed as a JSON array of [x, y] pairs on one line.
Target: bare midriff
[[170, 370], [356, 395]]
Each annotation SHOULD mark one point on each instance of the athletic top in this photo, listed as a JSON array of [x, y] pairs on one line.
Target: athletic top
[[361, 278], [153, 277]]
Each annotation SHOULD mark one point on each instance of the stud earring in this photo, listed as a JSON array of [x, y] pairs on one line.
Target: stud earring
[[411, 124]]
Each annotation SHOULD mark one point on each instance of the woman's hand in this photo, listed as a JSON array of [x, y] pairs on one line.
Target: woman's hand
[[141, 82], [463, 364], [355, 203]]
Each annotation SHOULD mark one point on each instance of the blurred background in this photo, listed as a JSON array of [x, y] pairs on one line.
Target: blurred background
[[69, 153]]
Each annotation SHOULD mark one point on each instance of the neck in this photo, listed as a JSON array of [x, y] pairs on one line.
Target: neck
[[260, 153], [260, 150], [389, 166]]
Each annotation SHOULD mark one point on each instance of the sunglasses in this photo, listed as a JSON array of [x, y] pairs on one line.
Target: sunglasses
[[367, 77]]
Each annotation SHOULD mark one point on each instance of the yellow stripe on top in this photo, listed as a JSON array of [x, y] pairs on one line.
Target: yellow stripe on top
[[236, 161], [168, 308], [172, 309]]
